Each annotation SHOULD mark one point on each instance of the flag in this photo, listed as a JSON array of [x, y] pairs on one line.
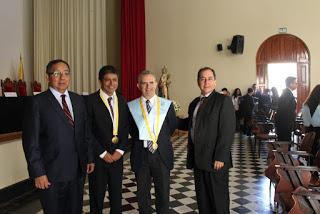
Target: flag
[[20, 71]]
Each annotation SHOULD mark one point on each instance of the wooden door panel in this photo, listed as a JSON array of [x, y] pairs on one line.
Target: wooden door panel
[[282, 48]]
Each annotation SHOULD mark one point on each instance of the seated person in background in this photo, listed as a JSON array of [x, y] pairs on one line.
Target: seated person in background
[[225, 91]]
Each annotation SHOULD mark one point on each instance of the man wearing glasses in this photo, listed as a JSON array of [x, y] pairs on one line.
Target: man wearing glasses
[[211, 131], [56, 143]]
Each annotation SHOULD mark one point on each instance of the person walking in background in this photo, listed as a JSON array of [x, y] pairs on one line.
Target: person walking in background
[[152, 122], [108, 116], [56, 143], [236, 101], [246, 110], [286, 113], [211, 132], [274, 98]]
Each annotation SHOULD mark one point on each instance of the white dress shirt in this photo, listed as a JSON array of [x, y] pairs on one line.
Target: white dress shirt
[[58, 97], [105, 97], [152, 116]]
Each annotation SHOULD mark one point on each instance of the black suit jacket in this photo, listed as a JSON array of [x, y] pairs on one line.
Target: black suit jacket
[[49, 139], [100, 123], [214, 132], [286, 113], [164, 142]]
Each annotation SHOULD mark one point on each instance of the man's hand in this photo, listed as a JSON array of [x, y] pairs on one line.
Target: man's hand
[[42, 182], [90, 167], [116, 155], [108, 158], [218, 165]]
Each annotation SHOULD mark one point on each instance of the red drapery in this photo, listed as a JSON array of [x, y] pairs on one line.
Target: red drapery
[[133, 46]]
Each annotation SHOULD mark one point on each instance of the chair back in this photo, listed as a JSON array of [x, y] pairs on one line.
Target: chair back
[[36, 87], [8, 85], [21, 88]]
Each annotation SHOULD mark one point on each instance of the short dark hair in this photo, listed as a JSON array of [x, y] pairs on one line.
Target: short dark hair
[[107, 69], [250, 90], [144, 73], [53, 62], [290, 80], [224, 89], [206, 68]]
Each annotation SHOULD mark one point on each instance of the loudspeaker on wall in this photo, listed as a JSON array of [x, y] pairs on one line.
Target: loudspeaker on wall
[[219, 47], [237, 44]]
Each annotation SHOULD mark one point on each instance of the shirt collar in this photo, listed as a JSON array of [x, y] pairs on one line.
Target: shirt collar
[[207, 95], [152, 99], [57, 93], [106, 96]]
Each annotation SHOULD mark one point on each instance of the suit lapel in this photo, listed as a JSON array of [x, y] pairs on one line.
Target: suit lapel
[[75, 108], [103, 108], [56, 106], [204, 110]]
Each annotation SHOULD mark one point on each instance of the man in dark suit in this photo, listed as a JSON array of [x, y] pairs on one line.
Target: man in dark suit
[[153, 121], [108, 119], [211, 133], [56, 143], [246, 110], [286, 112]]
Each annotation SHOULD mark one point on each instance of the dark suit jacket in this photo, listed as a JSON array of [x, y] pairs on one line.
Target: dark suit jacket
[[214, 132], [100, 123], [164, 142], [286, 113], [246, 106], [49, 140]]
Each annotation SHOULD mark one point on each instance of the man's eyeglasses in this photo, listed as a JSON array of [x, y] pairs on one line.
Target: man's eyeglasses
[[59, 73]]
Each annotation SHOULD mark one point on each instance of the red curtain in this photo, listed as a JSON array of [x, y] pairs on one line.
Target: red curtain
[[133, 46]]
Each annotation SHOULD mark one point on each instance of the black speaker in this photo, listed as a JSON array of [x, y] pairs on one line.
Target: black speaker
[[237, 44], [219, 47]]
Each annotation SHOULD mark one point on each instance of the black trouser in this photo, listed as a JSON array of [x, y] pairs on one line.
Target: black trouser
[[106, 176], [63, 197], [212, 191], [153, 168]]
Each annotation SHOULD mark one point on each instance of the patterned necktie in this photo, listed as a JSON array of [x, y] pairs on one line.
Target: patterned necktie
[[66, 110], [149, 142], [111, 109]]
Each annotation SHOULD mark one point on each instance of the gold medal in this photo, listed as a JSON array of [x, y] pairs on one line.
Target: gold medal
[[115, 139], [154, 146]]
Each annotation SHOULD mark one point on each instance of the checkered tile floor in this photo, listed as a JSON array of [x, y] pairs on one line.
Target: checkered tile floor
[[249, 188]]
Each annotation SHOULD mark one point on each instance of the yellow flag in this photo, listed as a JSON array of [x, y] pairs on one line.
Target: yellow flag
[[20, 71]]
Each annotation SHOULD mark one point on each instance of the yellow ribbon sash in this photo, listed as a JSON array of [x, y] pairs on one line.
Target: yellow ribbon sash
[[115, 120], [154, 136]]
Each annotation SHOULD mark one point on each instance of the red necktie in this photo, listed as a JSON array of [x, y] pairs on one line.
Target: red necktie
[[66, 110]]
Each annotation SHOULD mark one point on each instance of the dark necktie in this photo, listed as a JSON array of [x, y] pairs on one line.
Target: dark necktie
[[149, 142], [111, 109], [66, 110], [194, 118]]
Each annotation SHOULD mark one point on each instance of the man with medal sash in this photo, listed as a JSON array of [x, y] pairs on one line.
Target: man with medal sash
[[108, 119], [152, 123]]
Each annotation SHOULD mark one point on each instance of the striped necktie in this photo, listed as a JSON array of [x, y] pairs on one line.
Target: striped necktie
[[149, 142], [66, 110], [111, 109]]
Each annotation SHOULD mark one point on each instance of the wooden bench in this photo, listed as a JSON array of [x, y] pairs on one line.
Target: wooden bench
[[305, 201]]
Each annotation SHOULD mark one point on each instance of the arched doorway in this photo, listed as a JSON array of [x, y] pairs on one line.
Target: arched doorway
[[285, 48]]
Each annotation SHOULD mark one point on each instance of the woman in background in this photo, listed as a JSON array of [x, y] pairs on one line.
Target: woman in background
[[311, 116], [236, 101]]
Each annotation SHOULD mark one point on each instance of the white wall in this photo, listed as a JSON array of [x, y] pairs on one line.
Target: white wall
[[12, 163], [16, 27], [183, 34]]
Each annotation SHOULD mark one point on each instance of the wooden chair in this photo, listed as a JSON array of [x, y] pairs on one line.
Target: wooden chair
[[36, 87], [21, 88], [306, 201], [8, 86]]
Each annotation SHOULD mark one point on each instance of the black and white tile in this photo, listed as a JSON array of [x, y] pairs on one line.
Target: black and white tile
[[249, 188]]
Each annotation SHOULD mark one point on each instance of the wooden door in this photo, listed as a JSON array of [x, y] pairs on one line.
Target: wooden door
[[285, 48]]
